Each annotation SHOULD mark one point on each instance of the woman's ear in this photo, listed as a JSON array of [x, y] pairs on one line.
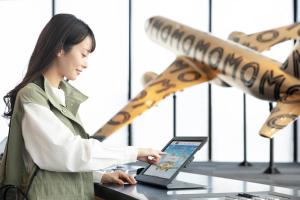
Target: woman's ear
[[60, 53]]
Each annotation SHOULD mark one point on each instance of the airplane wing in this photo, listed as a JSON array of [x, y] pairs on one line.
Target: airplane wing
[[282, 115], [182, 73], [264, 40], [148, 77]]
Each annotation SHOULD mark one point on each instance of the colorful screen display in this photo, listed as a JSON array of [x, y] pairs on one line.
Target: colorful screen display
[[176, 154]]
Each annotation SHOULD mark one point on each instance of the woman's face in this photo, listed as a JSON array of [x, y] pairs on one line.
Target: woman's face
[[71, 64]]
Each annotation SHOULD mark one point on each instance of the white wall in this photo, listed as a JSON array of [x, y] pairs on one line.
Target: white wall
[[21, 23], [105, 81], [248, 17], [156, 125]]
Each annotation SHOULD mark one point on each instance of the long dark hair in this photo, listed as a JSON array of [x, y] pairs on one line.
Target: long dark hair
[[62, 32]]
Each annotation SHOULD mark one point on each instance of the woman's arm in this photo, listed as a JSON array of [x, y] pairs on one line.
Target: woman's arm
[[54, 147]]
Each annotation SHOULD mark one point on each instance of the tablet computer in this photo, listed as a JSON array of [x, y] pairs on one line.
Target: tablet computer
[[178, 153]]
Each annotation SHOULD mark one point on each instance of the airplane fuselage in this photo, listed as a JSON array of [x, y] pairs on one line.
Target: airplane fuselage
[[237, 65]]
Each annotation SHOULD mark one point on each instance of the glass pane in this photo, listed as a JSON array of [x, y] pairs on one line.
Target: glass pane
[[249, 17], [155, 126], [106, 79], [21, 23]]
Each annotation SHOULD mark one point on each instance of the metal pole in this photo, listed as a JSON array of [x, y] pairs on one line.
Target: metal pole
[[271, 169], [174, 115], [129, 69], [209, 93], [245, 162]]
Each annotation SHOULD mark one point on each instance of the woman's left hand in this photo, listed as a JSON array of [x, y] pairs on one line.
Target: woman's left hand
[[117, 177]]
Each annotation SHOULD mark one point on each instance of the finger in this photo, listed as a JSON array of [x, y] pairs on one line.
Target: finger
[[149, 158], [162, 153], [127, 178], [157, 154], [133, 181], [118, 181], [130, 180], [154, 159], [150, 161]]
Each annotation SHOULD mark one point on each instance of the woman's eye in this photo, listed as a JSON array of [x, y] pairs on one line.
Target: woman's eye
[[83, 55]]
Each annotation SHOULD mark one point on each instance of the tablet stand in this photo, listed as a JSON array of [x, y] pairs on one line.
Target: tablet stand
[[176, 185]]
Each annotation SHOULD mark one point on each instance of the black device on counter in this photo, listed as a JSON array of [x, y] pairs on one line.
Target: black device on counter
[[178, 153]]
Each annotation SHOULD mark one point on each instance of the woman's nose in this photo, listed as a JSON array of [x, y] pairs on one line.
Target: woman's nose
[[85, 64]]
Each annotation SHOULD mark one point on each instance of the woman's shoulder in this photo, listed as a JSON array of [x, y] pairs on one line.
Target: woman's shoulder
[[32, 93]]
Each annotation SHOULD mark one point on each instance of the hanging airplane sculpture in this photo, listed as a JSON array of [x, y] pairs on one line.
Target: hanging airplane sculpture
[[235, 62]]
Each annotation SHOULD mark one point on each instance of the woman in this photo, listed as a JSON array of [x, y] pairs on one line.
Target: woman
[[48, 154]]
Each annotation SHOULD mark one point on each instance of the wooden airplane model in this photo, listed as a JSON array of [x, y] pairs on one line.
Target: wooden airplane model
[[236, 62]]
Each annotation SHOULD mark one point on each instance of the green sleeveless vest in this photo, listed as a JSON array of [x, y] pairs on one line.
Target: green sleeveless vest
[[17, 167]]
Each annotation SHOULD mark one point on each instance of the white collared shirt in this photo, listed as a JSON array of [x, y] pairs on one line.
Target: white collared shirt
[[53, 147]]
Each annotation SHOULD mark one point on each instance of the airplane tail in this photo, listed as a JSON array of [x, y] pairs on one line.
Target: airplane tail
[[264, 40], [182, 73], [286, 110], [281, 116], [292, 63]]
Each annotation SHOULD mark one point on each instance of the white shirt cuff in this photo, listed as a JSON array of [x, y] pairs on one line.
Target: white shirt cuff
[[132, 153], [97, 176]]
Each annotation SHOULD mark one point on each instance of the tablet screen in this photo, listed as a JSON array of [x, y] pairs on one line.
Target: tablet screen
[[176, 154]]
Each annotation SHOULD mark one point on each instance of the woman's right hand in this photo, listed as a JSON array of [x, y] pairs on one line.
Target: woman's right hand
[[118, 177], [149, 155]]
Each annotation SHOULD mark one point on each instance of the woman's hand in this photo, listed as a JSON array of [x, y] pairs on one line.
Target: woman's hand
[[117, 177], [149, 155]]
